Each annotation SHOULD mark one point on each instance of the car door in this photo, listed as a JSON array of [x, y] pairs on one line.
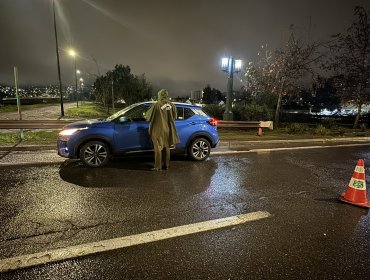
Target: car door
[[131, 131], [185, 124]]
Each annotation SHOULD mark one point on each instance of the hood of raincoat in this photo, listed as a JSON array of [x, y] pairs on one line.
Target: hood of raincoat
[[162, 95]]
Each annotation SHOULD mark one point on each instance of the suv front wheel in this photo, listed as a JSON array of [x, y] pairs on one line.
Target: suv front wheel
[[95, 154], [199, 149]]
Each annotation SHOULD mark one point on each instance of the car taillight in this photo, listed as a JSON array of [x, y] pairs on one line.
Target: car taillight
[[213, 122]]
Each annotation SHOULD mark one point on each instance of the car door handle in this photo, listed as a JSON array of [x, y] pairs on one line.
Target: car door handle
[[192, 123]]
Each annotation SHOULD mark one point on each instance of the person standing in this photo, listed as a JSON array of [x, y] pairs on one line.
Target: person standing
[[162, 129]]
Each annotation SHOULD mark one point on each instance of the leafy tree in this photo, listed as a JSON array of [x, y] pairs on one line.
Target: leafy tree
[[2, 93], [350, 62], [211, 95], [280, 72], [208, 98], [127, 86], [215, 110]]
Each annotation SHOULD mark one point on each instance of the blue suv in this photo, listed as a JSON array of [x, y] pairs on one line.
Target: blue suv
[[125, 132]]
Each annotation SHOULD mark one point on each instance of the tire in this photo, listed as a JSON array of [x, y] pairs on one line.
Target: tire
[[95, 154], [199, 149]]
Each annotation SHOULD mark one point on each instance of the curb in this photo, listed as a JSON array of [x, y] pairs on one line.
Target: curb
[[222, 144], [229, 143]]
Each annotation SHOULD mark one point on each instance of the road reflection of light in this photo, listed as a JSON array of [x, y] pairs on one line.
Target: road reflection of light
[[229, 176]]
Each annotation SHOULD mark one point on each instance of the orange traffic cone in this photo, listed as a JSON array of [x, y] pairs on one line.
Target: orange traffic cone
[[356, 190]]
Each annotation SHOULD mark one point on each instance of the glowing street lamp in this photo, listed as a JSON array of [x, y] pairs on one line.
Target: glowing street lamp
[[74, 54], [230, 65]]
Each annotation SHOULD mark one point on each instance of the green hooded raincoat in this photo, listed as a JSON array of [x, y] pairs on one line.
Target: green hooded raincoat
[[162, 129]]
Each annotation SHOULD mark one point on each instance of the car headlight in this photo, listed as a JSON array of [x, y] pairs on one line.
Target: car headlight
[[71, 131]]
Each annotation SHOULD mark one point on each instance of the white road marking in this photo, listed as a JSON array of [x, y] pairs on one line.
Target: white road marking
[[126, 241]]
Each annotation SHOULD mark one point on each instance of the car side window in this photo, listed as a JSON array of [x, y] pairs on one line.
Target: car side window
[[184, 113], [180, 113], [137, 114], [188, 113]]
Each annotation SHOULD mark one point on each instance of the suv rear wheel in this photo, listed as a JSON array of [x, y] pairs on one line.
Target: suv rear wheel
[[199, 149], [95, 154]]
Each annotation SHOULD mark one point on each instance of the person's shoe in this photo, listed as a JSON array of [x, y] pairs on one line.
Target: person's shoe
[[155, 169], [165, 168]]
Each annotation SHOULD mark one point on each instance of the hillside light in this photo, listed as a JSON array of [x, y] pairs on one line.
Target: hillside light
[[230, 65]]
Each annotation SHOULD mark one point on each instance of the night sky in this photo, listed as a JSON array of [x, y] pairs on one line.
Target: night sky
[[177, 44]]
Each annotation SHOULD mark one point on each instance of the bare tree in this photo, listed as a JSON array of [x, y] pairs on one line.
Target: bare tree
[[350, 62], [281, 72]]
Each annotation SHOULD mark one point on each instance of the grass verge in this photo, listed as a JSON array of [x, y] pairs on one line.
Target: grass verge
[[14, 108], [90, 110], [30, 138]]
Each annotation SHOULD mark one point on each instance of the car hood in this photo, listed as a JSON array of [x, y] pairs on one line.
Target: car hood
[[88, 123]]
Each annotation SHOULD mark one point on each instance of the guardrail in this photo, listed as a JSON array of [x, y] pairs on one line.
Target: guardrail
[[33, 124], [247, 124], [58, 124]]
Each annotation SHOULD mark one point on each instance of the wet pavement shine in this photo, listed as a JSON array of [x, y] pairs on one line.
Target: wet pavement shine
[[309, 235]]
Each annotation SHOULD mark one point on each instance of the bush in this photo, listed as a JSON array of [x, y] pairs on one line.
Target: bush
[[321, 130], [363, 127], [329, 123], [296, 128], [341, 131], [214, 110], [251, 112]]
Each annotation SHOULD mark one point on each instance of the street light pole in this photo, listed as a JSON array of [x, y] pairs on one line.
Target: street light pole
[[113, 110], [230, 65], [81, 93], [228, 114], [76, 80], [59, 76]]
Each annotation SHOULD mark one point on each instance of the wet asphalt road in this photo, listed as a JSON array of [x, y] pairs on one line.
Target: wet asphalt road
[[310, 235]]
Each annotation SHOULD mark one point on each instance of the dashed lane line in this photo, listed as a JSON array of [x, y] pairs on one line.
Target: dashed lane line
[[126, 241]]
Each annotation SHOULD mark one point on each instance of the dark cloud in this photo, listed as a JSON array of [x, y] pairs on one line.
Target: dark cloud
[[177, 44]]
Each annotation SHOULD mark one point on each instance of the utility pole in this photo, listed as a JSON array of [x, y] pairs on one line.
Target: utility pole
[[76, 81], [113, 110], [59, 76], [17, 97]]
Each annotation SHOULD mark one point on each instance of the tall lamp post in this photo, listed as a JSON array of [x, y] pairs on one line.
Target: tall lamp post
[[81, 85], [230, 66], [59, 76], [73, 54]]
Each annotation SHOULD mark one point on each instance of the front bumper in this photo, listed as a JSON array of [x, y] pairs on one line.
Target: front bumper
[[62, 146]]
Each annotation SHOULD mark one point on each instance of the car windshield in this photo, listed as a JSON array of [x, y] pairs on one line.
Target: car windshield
[[121, 112]]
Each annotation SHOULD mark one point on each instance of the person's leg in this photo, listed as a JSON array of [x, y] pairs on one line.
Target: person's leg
[[166, 153], [157, 155]]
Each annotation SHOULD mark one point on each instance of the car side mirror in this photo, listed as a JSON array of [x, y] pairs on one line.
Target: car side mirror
[[124, 119]]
